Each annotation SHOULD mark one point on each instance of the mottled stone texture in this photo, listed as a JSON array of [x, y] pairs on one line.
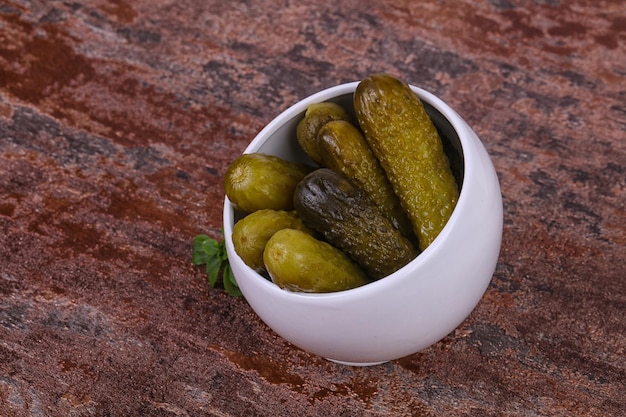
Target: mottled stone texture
[[118, 119]]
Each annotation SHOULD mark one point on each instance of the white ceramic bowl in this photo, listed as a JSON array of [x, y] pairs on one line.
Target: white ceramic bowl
[[417, 305]]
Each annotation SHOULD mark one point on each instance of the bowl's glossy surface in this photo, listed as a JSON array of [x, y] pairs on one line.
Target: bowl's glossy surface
[[414, 307]]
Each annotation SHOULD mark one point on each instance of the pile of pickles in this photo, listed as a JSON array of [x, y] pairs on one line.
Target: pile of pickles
[[379, 191]]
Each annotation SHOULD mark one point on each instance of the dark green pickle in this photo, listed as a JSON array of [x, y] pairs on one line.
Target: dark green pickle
[[328, 203], [296, 261], [251, 233]]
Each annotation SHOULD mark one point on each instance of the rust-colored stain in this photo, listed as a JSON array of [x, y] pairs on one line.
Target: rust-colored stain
[[268, 368], [103, 96], [275, 372], [41, 64], [122, 10], [75, 400]]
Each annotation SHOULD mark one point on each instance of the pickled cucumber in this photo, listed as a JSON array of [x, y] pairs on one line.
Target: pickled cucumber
[[343, 148], [317, 115], [256, 181], [296, 261], [408, 146], [251, 233], [328, 203]]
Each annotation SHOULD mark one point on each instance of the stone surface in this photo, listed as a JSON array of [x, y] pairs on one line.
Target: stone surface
[[118, 119]]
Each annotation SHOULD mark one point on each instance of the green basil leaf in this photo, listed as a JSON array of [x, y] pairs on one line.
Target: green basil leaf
[[212, 254], [230, 284], [213, 267]]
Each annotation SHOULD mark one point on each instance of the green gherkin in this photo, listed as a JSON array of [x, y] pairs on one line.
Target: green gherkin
[[296, 261], [256, 181], [328, 203], [343, 148], [251, 233], [408, 146], [316, 116]]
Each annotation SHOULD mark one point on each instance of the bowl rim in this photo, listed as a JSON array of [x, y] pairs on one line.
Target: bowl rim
[[366, 290]]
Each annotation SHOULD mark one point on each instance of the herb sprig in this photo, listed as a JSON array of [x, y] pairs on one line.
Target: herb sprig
[[212, 254]]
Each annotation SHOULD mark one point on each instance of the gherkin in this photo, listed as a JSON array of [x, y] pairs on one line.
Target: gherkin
[[343, 148], [251, 233], [328, 203], [407, 144], [316, 116], [296, 261], [256, 181]]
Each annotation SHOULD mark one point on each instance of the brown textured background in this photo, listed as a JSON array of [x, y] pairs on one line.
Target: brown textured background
[[118, 119]]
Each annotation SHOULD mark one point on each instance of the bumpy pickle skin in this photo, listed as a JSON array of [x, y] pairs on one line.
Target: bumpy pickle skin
[[408, 146], [343, 148], [258, 181], [329, 204], [251, 233], [298, 262], [316, 116]]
